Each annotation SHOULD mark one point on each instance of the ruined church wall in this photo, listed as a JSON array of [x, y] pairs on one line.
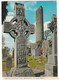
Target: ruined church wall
[[47, 47]]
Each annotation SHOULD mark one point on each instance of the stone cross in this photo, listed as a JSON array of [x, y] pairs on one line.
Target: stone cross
[[19, 28], [51, 66]]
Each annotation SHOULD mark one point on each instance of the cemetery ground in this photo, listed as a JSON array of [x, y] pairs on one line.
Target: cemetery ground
[[37, 65]]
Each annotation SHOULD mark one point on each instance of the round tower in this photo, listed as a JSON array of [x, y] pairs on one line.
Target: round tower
[[39, 24]]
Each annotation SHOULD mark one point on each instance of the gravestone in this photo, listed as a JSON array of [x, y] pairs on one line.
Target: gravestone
[[9, 62], [33, 46], [19, 28], [5, 51], [37, 53], [51, 66], [35, 49]]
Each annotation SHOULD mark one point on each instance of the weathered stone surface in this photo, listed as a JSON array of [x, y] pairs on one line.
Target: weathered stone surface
[[19, 10], [39, 24], [51, 66], [47, 48], [33, 46], [21, 72], [9, 62], [39, 33], [35, 50], [50, 70], [19, 28]]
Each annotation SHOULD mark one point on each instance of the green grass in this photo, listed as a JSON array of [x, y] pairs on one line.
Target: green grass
[[37, 63], [32, 62]]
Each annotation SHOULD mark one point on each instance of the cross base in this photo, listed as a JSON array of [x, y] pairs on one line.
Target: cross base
[[21, 72], [51, 66], [22, 65], [51, 70]]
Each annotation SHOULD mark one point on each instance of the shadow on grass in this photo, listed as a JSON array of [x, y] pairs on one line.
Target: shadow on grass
[[39, 74]]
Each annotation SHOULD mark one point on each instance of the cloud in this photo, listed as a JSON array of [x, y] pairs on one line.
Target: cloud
[[8, 18], [45, 26], [27, 4], [35, 9], [34, 24], [5, 35], [30, 41], [10, 14], [9, 44], [35, 27], [31, 9]]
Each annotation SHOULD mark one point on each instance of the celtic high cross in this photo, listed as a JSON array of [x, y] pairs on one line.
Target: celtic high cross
[[19, 28]]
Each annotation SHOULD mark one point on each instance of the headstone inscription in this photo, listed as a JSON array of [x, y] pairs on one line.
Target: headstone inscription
[[51, 66], [19, 28]]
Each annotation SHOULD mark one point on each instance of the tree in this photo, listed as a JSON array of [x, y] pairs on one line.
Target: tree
[[47, 34]]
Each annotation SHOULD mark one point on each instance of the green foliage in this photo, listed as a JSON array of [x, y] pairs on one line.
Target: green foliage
[[32, 62], [9, 55]]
